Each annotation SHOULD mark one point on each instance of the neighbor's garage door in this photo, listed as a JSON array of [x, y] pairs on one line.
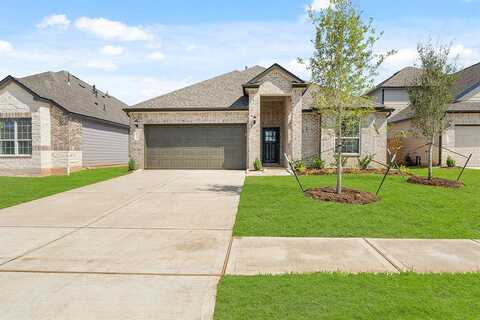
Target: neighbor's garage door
[[467, 140], [195, 147]]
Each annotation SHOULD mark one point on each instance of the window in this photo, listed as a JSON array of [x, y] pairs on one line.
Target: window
[[15, 137], [350, 138]]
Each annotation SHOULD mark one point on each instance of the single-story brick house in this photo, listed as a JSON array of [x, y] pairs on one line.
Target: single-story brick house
[[231, 120], [53, 122], [463, 115]]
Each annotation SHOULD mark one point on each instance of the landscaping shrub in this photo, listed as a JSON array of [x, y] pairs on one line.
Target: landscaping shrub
[[318, 163], [405, 170], [132, 165], [451, 163], [364, 163], [299, 166], [257, 164]]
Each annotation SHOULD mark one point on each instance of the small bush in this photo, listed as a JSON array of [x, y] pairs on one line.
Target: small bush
[[132, 165], [364, 163], [451, 163], [257, 164], [405, 170], [318, 163], [299, 166]]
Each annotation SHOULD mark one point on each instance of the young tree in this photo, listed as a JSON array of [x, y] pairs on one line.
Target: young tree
[[343, 67], [432, 94]]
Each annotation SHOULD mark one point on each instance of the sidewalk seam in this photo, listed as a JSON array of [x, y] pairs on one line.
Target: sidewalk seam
[[115, 273], [384, 256], [227, 256]]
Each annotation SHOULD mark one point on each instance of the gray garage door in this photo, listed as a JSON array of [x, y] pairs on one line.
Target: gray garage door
[[195, 147]]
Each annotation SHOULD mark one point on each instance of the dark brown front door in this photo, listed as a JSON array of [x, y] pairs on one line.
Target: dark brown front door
[[271, 145]]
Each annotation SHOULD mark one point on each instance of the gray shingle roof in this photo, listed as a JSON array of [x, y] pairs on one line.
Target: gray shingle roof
[[77, 97], [403, 78], [224, 91], [467, 79]]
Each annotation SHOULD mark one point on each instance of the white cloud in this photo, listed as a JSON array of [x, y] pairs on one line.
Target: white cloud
[[54, 21], [466, 56], [5, 47], [298, 69], [403, 58], [112, 50], [112, 30], [101, 65], [157, 56], [318, 5]]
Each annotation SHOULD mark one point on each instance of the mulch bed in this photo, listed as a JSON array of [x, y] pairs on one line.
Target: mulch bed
[[321, 172], [350, 196], [437, 182]]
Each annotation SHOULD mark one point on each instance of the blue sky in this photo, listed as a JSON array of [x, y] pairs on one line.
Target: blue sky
[[139, 49]]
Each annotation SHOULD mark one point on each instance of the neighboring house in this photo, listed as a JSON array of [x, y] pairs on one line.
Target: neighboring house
[[231, 120], [463, 134], [53, 122]]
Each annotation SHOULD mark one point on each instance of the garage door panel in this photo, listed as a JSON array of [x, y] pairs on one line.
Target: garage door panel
[[195, 147]]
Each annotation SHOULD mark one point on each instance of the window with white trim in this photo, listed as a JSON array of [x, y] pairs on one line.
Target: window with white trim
[[15, 137], [350, 138]]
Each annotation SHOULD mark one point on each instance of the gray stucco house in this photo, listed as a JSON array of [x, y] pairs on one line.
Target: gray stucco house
[[231, 120], [53, 122], [463, 115]]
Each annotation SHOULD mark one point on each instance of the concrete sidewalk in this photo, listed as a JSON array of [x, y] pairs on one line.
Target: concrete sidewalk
[[266, 255]]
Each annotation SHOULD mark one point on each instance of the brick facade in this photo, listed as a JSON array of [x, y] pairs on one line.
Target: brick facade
[[49, 135]]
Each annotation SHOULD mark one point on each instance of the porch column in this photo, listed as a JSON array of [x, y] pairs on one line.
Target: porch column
[[253, 128], [293, 118]]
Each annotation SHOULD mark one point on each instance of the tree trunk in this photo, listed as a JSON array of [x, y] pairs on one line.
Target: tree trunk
[[430, 160], [339, 144]]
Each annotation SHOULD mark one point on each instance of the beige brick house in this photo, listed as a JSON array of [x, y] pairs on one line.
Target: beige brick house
[[231, 120], [53, 122], [463, 133]]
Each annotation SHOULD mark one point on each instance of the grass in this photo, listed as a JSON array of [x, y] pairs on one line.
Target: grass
[[340, 296], [274, 206], [16, 190]]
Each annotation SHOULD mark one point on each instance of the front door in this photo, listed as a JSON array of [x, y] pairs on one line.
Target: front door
[[271, 145]]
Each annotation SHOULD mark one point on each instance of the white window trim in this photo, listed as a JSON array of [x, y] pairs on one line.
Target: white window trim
[[16, 140], [359, 138]]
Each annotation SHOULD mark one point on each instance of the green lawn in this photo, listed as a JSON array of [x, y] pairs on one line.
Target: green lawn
[[15, 190], [340, 296], [274, 206]]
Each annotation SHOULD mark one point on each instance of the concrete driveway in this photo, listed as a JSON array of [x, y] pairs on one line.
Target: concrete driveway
[[150, 245]]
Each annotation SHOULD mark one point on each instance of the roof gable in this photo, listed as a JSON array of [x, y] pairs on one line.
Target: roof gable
[[256, 81], [468, 79]]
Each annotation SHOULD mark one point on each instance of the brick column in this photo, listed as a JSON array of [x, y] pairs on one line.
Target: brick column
[[253, 128], [137, 141], [293, 118]]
